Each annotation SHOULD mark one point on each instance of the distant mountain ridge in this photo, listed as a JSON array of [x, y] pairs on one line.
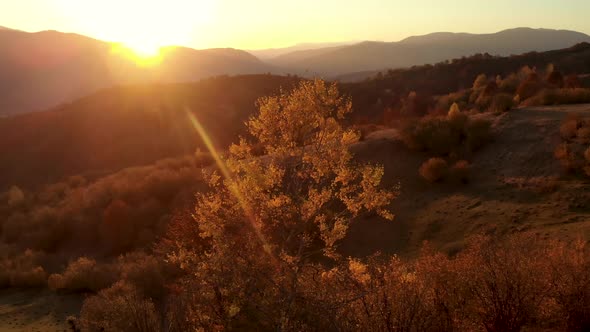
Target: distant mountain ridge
[[40, 70], [270, 53], [431, 48]]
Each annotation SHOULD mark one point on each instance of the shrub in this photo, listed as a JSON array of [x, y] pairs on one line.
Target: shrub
[[445, 135], [569, 128], [571, 156], [145, 272], [583, 134], [480, 81], [456, 118], [570, 283], [119, 308], [509, 84], [460, 98], [502, 102], [21, 269], [555, 78], [84, 274], [431, 134], [503, 282], [490, 89], [560, 97], [572, 82], [528, 89], [434, 169]]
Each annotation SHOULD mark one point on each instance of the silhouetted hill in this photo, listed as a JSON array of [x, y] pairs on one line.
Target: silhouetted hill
[[127, 126], [432, 48], [43, 69]]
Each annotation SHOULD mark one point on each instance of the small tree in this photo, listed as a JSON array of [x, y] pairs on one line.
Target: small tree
[[269, 220], [480, 82]]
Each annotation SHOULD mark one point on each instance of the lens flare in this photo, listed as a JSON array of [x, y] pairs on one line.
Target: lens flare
[[226, 173]]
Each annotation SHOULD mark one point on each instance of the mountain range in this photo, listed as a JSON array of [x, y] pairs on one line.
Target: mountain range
[[44, 69], [418, 50]]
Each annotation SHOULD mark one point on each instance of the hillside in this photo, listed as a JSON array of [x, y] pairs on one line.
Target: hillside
[[385, 90], [432, 48], [41, 70], [517, 185], [127, 126]]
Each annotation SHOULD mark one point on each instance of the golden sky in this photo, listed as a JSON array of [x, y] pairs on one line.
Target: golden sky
[[259, 24]]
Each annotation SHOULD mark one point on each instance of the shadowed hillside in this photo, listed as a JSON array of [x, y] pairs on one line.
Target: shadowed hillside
[[127, 126]]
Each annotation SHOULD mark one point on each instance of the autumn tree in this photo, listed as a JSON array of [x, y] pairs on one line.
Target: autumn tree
[[269, 224]]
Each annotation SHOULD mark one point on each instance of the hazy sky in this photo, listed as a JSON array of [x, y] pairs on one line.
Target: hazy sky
[[252, 24]]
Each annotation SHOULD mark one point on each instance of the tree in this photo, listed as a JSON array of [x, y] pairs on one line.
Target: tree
[[480, 82], [269, 221]]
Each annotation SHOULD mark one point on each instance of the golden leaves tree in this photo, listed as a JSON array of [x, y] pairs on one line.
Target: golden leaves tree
[[269, 224]]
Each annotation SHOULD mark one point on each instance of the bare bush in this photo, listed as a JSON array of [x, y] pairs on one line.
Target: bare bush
[[503, 282], [120, 308], [570, 283]]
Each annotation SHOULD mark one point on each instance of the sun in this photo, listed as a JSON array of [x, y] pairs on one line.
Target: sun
[[143, 54], [143, 49]]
